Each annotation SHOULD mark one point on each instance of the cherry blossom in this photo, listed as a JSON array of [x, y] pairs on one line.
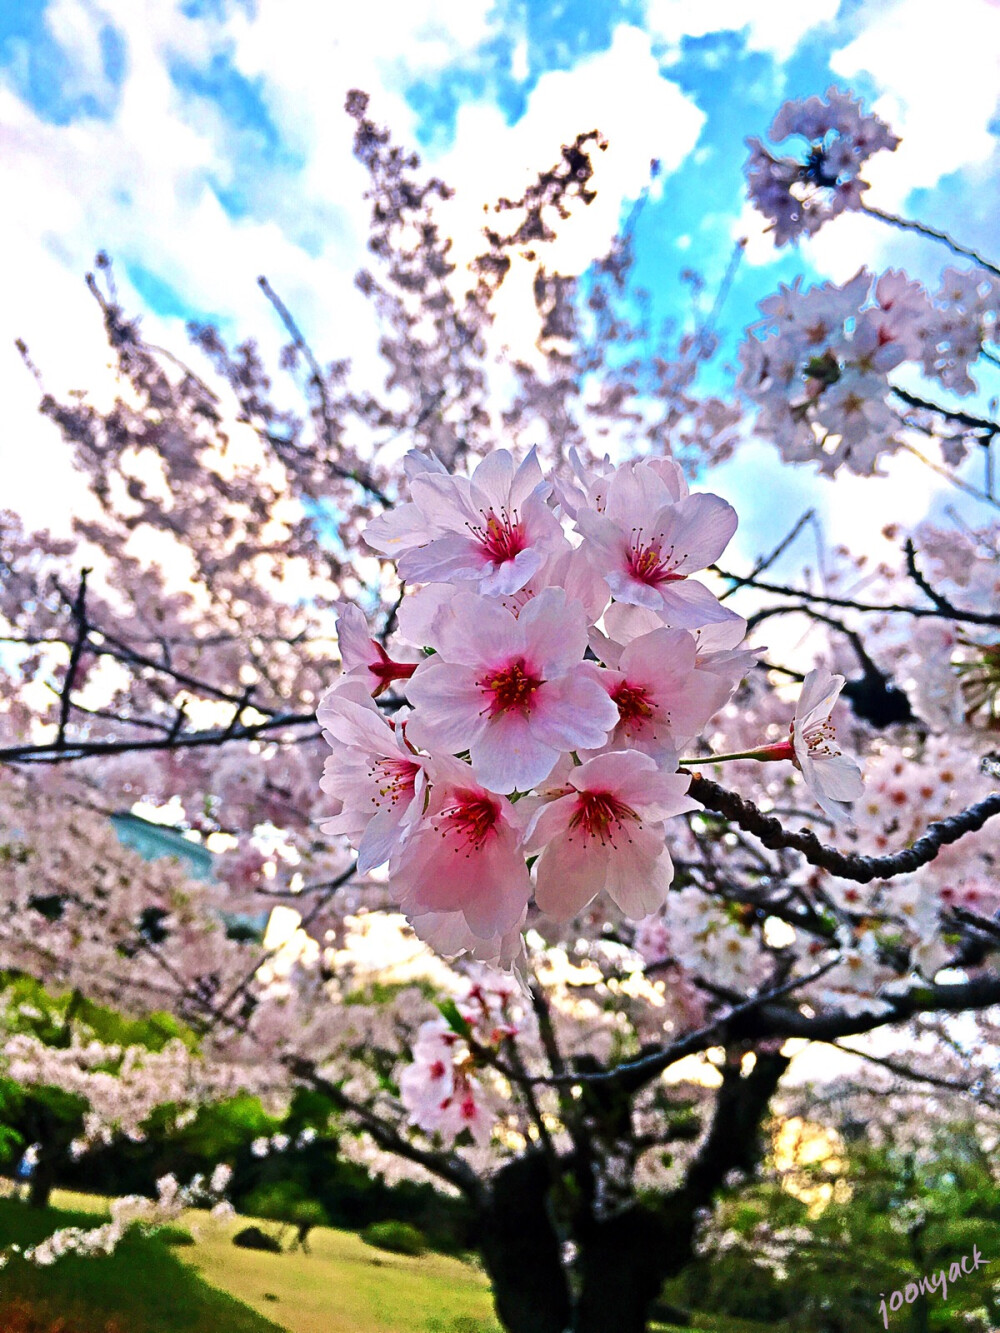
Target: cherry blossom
[[464, 855], [834, 779], [663, 698], [512, 690], [601, 829], [493, 529], [647, 543], [364, 657], [799, 196], [376, 779]]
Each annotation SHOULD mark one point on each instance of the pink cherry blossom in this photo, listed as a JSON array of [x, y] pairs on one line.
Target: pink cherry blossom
[[426, 1083], [493, 530], [363, 656], [663, 699], [448, 934], [424, 613], [513, 691], [600, 829], [646, 544], [833, 779], [374, 776], [464, 855], [439, 1089]]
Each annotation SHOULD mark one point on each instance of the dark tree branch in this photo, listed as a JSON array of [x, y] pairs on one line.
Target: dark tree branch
[[940, 601], [635, 1074], [848, 865], [984, 424], [447, 1166], [890, 608], [766, 561], [318, 381], [54, 753], [904, 1071], [79, 642]]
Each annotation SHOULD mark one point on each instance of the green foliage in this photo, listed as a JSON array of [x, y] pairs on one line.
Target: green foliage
[[892, 1222], [29, 1007], [397, 1237], [285, 1201], [384, 992], [142, 1287], [450, 1013]]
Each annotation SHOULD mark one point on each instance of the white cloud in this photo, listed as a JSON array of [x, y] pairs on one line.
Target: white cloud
[[776, 26], [619, 92], [139, 184], [938, 70]]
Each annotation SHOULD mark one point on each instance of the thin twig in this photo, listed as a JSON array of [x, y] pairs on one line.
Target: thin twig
[[889, 608], [766, 561], [934, 233]]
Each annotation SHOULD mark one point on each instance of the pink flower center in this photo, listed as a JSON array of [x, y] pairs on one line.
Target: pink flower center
[[394, 779], [601, 815], [634, 707], [511, 687], [501, 539], [646, 562], [470, 821], [437, 1069]]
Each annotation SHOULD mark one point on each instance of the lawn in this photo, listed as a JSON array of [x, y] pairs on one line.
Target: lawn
[[346, 1286], [142, 1288], [343, 1286]]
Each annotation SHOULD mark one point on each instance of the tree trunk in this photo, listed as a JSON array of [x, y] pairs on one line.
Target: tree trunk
[[41, 1184], [623, 1262], [521, 1250]]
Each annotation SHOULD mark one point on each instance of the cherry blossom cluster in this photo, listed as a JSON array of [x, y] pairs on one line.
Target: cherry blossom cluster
[[131, 1211], [440, 1088], [544, 719], [122, 1085], [817, 364], [799, 194]]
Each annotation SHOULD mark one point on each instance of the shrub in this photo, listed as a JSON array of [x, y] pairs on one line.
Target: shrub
[[252, 1238], [175, 1236], [399, 1237]]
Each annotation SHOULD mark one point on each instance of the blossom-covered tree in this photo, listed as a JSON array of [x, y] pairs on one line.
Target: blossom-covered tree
[[426, 650]]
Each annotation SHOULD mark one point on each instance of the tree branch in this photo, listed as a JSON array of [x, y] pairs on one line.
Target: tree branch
[[847, 865], [890, 608], [934, 233]]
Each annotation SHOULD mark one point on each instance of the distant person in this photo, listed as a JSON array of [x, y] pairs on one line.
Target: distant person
[[26, 1169]]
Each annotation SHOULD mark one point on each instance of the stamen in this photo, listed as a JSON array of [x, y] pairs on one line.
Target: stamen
[[510, 688], [501, 538], [470, 821], [601, 815], [633, 705]]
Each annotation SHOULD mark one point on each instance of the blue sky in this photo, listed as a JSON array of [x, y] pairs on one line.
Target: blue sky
[[202, 141]]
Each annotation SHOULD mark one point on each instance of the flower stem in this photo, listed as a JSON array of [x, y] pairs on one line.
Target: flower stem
[[783, 750]]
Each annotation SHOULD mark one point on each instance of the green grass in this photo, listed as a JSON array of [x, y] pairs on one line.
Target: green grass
[[343, 1286], [143, 1286], [346, 1286]]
